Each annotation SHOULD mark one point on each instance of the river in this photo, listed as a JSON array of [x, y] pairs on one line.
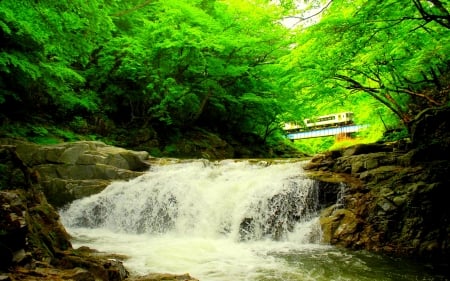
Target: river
[[250, 220]]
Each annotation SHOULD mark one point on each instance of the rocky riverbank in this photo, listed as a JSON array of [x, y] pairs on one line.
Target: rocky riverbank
[[395, 200], [390, 204], [33, 243]]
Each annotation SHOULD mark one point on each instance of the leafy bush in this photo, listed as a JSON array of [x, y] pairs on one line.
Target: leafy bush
[[66, 135], [79, 124], [395, 135], [314, 145], [39, 131]]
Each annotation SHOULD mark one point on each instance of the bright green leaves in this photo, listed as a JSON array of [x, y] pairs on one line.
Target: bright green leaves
[[18, 61], [45, 46], [178, 63], [21, 21], [383, 49], [173, 63]]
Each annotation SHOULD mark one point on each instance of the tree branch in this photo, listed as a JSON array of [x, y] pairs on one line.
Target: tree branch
[[443, 19], [386, 99], [300, 19]]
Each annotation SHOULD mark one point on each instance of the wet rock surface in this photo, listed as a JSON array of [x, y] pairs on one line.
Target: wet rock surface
[[34, 244], [393, 202], [396, 194]]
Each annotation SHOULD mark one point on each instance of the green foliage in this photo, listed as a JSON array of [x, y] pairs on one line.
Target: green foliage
[[44, 48], [185, 65], [228, 66], [314, 145], [39, 131], [79, 124], [381, 49], [170, 150], [395, 135], [65, 135], [42, 134]]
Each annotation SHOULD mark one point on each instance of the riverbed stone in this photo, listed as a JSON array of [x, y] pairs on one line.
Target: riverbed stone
[[70, 171], [395, 208], [400, 205]]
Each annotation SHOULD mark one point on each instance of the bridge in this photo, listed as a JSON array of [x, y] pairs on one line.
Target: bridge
[[326, 132]]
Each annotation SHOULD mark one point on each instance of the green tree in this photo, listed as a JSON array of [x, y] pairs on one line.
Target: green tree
[[186, 63], [381, 49], [45, 46]]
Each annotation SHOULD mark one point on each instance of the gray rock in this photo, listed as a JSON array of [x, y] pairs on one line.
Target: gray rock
[[70, 171]]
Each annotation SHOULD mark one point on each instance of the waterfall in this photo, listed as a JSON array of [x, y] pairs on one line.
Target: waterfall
[[240, 199], [232, 211], [246, 220]]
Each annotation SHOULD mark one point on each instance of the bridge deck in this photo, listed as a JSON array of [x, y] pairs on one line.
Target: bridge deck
[[325, 132]]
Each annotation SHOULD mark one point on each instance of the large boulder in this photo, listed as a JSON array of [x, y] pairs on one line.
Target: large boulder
[[69, 171], [30, 227]]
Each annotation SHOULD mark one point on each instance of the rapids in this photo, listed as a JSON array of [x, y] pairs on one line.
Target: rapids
[[223, 220]]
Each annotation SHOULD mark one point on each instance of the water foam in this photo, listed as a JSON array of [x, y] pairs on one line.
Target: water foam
[[219, 220]]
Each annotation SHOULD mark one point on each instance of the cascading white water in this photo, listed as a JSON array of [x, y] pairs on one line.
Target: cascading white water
[[212, 219], [220, 221], [214, 199]]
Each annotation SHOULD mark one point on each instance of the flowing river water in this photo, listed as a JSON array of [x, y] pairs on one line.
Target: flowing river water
[[223, 220]]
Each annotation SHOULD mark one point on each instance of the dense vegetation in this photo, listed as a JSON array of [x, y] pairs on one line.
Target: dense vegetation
[[163, 68]]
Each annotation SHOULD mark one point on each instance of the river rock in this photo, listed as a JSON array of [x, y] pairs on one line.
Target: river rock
[[30, 225], [393, 203], [70, 171]]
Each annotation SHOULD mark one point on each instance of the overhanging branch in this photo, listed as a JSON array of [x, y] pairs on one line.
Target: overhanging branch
[[376, 93]]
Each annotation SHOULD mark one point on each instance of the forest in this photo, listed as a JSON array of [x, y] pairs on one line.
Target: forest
[[127, 72]]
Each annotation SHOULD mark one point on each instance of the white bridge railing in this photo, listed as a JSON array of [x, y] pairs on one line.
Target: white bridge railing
[[325, 132]]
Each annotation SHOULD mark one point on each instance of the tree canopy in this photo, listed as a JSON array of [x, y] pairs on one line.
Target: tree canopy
[[392, 51], [228, 66]]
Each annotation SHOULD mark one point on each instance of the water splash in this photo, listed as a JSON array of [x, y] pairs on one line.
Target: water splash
[[225, 220], [237, 199]]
